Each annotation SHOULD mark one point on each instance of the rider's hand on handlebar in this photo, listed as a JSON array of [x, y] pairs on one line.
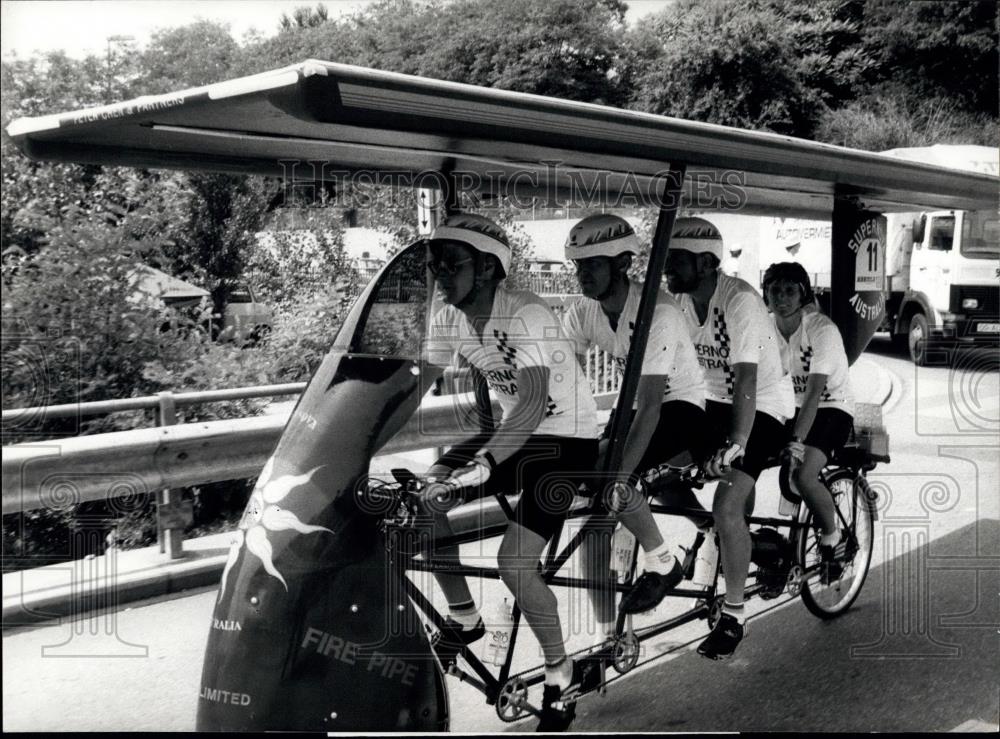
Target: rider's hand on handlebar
[[720, 462], [796, 450], [472, 475]]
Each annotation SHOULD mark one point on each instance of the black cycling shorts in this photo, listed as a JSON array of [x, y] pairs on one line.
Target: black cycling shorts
[[547, 471], [768, 437], [830, 430], [682, 428]]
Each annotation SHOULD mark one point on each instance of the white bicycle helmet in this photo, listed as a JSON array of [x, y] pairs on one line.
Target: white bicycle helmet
[[477, 231], [697, 236], [602, 235]]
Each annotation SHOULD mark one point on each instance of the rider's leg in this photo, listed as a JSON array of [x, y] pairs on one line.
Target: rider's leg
[[462, 611], [733, 501], [681, 435], [730, 509], [455, 587], [829, 432], [731, 506], [543, 474], [815, 494], [661, 570], [637, 518], [682, 428], [518, 559]]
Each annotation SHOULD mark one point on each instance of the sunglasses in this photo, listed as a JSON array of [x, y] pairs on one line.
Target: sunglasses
[[439, 266]]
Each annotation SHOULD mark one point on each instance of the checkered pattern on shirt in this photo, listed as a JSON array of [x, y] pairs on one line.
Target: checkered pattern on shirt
[[806, 356], [509, 352], [720, 333]]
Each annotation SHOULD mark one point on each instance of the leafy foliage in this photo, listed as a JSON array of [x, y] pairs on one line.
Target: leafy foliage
[[881, 122], [188, 56], [720, 62]]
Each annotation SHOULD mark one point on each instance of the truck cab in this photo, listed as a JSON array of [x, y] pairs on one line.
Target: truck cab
[[943, 267], [943, 281], [245, 320]]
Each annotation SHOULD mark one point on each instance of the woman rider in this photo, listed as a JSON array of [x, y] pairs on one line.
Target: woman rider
[[814, 353], [546, 438]]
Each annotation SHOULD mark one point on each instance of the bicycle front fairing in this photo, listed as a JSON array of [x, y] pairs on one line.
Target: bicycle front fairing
[[311, 630]]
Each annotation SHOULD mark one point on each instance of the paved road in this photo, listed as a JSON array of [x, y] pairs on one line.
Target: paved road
[[919, 651]]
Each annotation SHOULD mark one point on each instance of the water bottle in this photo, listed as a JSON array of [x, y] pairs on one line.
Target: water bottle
[[497, 642], [706, 561], [622, 551], [787, 507]]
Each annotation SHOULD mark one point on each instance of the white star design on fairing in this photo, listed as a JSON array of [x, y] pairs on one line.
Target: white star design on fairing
[[263, 515]]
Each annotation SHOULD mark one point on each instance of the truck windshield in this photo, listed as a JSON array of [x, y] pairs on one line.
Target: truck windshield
[[981, 235]]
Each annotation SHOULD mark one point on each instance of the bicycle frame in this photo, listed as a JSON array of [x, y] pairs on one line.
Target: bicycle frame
[[490, 685]]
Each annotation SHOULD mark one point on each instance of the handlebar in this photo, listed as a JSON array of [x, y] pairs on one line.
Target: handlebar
[[398, 502], [690, 473]]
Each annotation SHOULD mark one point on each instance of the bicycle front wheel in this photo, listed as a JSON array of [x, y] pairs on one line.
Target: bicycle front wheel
[[829, 600]]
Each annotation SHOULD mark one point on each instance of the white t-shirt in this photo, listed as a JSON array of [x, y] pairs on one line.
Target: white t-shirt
[[669, 350], [738, 329], [522, 331], [816, 347]]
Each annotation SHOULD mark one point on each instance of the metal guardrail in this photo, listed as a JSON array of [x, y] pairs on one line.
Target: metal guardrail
[[128, 464], [146, 402]]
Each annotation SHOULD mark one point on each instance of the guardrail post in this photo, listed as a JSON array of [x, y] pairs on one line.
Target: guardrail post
[[172, 513]]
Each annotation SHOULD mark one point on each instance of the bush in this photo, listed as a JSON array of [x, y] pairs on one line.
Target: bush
[[891, 121], [76, 330]]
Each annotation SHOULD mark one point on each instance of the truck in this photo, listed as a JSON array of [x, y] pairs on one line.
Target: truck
[[943, 267], [245, 320]]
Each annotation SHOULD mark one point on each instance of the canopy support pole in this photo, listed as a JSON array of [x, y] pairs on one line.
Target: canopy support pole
[[669, 204], [857, 273]]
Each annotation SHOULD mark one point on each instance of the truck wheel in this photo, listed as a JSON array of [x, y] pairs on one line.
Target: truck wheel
[[918, 339], [900, 342]]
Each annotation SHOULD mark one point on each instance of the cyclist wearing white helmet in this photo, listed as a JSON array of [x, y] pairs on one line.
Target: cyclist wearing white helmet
[[545, 438], [749, 399], [668, 417]]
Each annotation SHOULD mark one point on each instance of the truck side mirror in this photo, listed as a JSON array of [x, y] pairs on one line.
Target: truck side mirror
[[919, 226]]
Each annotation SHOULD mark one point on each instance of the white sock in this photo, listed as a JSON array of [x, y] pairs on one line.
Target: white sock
[[465, 613], [659, 560], [560, 674], [830, 540], [736, 611]]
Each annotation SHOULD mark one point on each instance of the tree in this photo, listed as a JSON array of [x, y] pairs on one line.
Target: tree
[[826, 41], [224, 212], [197, 54], [728, 63], [304, 17], [572, 49], [946, 49]]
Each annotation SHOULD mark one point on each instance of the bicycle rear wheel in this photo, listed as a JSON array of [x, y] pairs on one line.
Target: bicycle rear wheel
[[854, 517]]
